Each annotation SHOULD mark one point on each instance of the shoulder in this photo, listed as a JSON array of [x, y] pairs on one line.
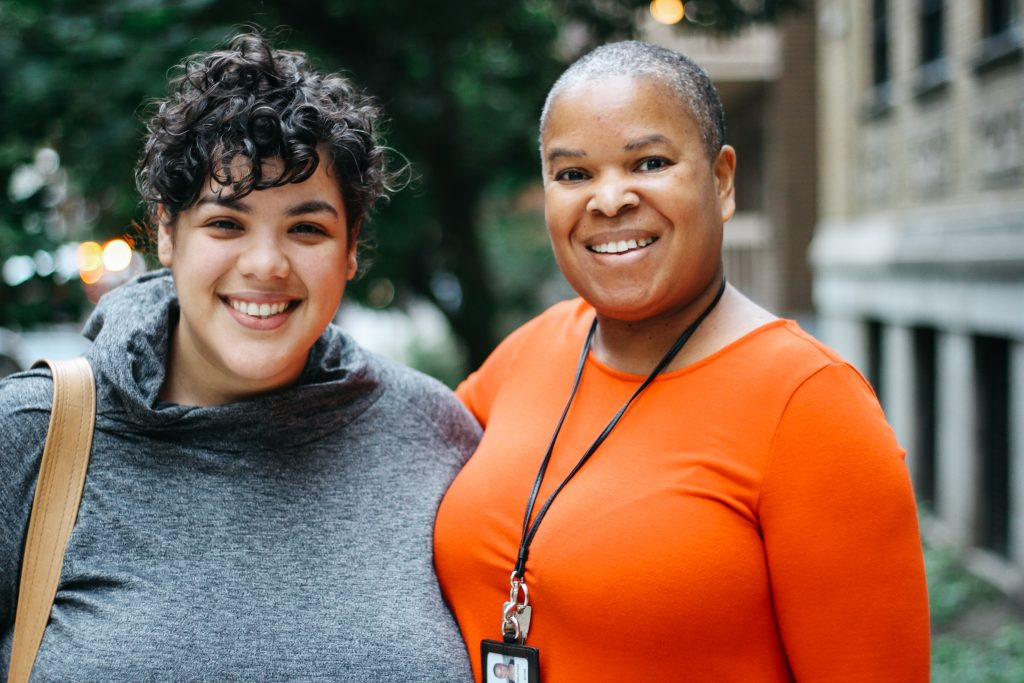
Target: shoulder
[[565, 319], [789, 383], [789, 356], [562, 326], [424, 403], [831, 414], [823, 366], [25, 400], [563, 322]]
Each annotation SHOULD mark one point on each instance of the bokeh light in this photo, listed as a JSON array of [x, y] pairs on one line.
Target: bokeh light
[[117, 255], [668, 11], [90, 262], [18, 269], [381, 293]]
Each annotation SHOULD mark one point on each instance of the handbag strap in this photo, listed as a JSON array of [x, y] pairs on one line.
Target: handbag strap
[[54, 507]]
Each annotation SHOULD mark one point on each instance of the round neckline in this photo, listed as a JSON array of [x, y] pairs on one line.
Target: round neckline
[[592, 358]]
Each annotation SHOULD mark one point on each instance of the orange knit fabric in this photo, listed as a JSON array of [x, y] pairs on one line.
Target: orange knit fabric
[[750, 519]]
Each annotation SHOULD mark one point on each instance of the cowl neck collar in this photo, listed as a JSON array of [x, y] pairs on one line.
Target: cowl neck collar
[[130, 329]]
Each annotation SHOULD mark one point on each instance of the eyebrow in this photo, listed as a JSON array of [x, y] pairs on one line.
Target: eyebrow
[[310, 206], [228, 202], [652, 139], [631, 146], [562, 152]]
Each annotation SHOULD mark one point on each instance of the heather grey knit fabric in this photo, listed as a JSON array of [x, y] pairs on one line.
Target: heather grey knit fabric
[[286, 538]]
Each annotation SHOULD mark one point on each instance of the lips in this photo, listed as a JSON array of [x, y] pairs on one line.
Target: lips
[[261, 309], [621, 246], [258, 310]]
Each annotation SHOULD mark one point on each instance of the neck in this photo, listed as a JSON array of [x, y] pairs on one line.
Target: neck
[[636, 346]]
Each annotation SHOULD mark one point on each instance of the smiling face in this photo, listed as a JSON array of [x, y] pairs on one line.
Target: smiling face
[[634, 207], [258, 280]]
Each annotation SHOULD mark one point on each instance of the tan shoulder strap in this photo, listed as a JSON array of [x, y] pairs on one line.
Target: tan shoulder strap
[[55, 506]]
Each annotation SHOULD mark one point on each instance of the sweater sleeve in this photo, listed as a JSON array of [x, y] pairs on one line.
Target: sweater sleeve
[[841, 535], [24, 418]]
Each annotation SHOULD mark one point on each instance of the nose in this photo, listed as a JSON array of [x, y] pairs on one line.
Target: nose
[[263, 258], [612, 195]]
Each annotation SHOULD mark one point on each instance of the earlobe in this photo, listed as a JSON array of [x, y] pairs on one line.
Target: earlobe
[[164, 237], [352, 261], [351, 264], [725, 175]]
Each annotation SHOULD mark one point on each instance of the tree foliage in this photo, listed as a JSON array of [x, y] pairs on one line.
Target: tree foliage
[[461, 83]]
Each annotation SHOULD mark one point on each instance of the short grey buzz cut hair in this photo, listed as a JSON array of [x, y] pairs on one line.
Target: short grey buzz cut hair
[[638, 59]]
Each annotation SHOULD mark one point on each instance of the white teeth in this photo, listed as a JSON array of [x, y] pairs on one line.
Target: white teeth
[[622, 245], [258, 310]]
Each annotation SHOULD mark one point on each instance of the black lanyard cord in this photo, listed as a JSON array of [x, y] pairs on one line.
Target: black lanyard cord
[[529, 531]]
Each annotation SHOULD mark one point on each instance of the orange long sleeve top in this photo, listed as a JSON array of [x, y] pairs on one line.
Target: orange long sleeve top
[[750, 519]]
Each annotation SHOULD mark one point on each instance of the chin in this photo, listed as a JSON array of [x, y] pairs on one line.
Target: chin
[[265, 372], [625, 308]]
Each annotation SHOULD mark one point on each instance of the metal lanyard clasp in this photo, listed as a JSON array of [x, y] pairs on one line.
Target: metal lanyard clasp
[[515, 615]]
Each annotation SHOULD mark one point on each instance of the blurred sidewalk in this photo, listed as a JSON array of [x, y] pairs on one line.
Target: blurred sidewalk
[[59, 341]]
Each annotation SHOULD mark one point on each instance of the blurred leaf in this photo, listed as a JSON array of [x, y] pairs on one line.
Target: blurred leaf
[[461, 83]]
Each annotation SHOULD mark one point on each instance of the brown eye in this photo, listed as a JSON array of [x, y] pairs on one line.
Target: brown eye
[[308, 229], [571, 175], [224, 224], [653, 164]]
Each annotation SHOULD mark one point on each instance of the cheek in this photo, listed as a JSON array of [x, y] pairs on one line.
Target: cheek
[[326, 273], [560, 213], [202, 262]]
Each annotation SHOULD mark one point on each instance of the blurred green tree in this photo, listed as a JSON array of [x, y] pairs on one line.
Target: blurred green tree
[[461, 82]]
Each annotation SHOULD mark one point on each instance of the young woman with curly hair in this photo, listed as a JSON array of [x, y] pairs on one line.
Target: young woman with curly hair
[[261, 494]]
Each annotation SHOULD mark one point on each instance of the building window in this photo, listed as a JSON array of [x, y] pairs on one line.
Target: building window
[[933, 72], [932, 43], [992, 368], [875, 360], [925, 423], [1002, 39], [998, 16], [881, 90]]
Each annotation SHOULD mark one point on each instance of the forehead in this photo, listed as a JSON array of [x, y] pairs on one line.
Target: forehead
[[241, 166], [617, 105]]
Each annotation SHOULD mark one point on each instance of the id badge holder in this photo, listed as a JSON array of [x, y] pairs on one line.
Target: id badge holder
[[511, 659], [502, 662]]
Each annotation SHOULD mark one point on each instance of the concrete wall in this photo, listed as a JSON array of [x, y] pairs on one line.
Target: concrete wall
[[922, 230]]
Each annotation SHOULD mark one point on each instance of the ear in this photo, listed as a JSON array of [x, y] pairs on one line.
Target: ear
[[351, 261], [725, 175], [164, 236]]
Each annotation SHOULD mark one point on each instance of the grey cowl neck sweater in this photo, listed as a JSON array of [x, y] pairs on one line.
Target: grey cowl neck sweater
[[287, 537], [130, 362]]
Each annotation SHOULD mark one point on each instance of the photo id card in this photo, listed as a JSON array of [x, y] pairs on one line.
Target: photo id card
[[502, 662]]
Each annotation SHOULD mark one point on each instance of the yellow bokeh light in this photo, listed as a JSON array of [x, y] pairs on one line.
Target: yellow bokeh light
[[667, 11], [90, 262], [91, 276], [117, 255]]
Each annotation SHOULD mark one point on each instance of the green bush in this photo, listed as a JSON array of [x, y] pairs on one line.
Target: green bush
[[957, 658]]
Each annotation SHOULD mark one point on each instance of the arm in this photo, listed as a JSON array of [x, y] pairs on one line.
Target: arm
[[24, 417], [841, 536]]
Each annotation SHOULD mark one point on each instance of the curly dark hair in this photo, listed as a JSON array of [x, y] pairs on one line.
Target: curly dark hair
[[256, 103]]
